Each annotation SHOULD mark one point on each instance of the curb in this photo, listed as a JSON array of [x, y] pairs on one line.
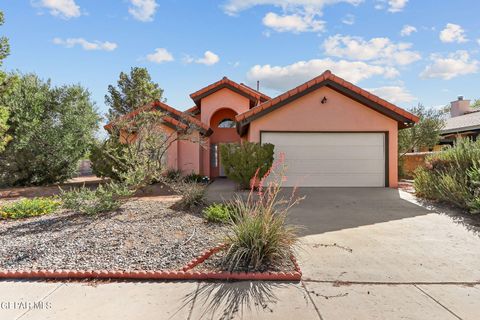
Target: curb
[[185, 273]]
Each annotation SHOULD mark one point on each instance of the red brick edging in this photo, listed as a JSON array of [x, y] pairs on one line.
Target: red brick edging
[[185, 274]]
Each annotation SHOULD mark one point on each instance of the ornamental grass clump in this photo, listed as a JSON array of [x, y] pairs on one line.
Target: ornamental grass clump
[[258, 236]]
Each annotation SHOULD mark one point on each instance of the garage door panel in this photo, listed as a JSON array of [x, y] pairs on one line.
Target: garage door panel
[[318, 159], [335, 180], [335, 166], [326, 139], [332, 152]]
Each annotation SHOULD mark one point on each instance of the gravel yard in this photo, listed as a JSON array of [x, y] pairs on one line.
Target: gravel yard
[[142, 235]]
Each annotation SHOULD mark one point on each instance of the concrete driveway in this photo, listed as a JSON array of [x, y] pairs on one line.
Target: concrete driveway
[[378, 255], [334, 209], [365, 254]]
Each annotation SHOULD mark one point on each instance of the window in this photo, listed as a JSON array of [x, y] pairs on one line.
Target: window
[[226, 123], [214, 155]]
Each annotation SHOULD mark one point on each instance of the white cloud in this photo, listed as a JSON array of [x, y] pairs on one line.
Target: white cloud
[[393, 5], [86, 45], [453, 33], [160, 55], [209, 58], [393, 94], [293, 23], [297, 15], [65, 9], [233, 7], [282, 78], [143, 10], [396, 5], [407, 30], [349, 19], [377, 50], [455, 64]]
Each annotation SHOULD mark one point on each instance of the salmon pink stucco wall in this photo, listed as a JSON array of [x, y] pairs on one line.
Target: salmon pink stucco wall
[[339, 113], [221, 99], [189, 154]]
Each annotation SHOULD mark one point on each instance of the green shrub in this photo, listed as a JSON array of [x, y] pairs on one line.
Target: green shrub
[[193, 195], [452, 176], [102, 199], [217, 212], [173, 175], [195, 177], [258, 235], [108, 159], [51, 129], [241, 161], [29, 208]]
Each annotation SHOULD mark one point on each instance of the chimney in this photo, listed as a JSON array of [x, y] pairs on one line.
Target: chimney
[[459, 107]]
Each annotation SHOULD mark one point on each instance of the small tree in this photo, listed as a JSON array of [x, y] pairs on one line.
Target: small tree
[[5, 85], [133, 90], [424, 134], [241, 161], [51, 129], [137, 147]]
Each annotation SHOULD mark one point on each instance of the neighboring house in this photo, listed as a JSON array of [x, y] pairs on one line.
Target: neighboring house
[[332, 132], [464, 121]]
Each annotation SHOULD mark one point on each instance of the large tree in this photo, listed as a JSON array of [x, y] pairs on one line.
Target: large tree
[[51, 129], [4, 86], [424, 134], [132, 91]]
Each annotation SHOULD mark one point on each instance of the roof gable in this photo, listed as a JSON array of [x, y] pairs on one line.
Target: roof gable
[[253, 95], [172, 116], [404, 118]]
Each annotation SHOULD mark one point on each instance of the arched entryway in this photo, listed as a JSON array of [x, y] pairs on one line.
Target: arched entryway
[[222, 123]]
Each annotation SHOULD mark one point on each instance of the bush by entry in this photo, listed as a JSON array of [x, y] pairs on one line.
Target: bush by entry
[[242, 161]]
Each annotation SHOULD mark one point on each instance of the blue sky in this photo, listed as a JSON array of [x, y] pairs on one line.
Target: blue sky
[[189, 44]]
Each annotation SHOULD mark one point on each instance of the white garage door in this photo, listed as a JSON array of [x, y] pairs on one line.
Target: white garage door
[[316, 159]]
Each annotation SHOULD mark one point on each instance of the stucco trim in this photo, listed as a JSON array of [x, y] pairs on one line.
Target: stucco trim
[[178, 119], [386, 144]]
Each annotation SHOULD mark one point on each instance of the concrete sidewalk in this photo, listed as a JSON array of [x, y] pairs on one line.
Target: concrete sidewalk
[[240, 300]]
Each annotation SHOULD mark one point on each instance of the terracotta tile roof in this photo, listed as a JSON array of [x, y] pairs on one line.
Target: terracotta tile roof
[[252, 94], [192, 110], [173, 116], [246, 117]]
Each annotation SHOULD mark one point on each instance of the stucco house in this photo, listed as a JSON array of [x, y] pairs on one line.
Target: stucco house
[[464, 121], [332, 132]]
